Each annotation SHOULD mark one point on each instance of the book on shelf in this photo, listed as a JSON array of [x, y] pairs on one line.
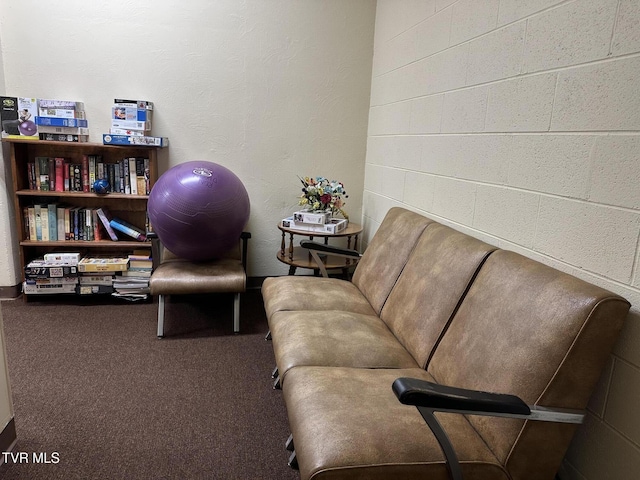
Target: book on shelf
[[29, 289], [103, 264], [137, 273], [45, 104], [64, 130], [63, 137], [94, 289], [72, 280], [62, 122], [105, 219], [147, 140], [128, 229], [140, 104], [97, 278], [62, 258]]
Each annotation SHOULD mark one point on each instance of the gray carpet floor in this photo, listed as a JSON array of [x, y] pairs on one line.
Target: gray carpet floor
[[92, 383]]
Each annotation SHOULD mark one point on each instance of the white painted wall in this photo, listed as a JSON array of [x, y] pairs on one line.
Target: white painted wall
[[271, 89], [518, 122], [9, 263]]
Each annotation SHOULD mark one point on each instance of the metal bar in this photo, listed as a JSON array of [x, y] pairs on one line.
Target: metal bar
[[453, 464]]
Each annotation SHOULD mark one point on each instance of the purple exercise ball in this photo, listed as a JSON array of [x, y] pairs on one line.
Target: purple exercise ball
[[199, 210]]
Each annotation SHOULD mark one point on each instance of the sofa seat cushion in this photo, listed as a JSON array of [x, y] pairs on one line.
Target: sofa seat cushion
[[312, 293], [335, 339], [348, 424]]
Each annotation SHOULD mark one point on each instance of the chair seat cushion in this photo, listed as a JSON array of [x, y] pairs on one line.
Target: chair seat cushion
[[312, 293], [348, 424], [180, 277], [335, 339]]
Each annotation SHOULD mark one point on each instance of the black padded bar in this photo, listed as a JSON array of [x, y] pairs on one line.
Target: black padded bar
[[420, 393], [321, 247]]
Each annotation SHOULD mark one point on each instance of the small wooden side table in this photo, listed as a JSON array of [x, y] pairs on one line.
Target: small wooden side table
[[298, 257]]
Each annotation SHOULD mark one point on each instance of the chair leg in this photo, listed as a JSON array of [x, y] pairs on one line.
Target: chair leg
[[160, 316], [236, 313]]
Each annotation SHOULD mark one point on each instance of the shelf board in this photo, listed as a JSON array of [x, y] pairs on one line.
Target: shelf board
[[49, 193], [125, 244]]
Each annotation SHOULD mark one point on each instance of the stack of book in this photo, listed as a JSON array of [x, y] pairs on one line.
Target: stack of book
[[62, 121], [55, 273], [97, 274], [133, 283], [131, 124]]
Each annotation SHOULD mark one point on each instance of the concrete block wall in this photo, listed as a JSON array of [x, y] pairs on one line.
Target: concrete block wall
[[518, 122]]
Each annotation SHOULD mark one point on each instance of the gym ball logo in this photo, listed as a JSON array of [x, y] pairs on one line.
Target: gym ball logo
[[208, 179]]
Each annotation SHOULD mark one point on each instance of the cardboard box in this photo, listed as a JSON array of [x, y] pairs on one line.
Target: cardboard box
[[18, 117], [335, 225], [44, 269], [109, 139], [315, 218]]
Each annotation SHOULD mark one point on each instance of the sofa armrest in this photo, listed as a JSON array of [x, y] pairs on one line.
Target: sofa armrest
[[431, 397], [420, 393], [443, 398]]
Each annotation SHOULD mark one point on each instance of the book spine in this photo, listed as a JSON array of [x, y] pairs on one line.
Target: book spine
[[85, 174], [127, 229], [31, 175], [67, 223], [53, 221], [59, 169], [25, 221], [33, 236], [133, 181], [62, 122], [55, 103], [92, 171], [44, 223], [149, 141], [60, 224], [38, 222], [104, 219], [67, 176], [56, 137], [97, 234], [61, 113], [63, 130], [134, 103]]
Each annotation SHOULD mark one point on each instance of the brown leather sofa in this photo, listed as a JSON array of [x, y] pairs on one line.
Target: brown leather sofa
[[437, 321]]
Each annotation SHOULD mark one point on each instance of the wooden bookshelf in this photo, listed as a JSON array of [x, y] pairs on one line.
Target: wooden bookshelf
[[131, 208]]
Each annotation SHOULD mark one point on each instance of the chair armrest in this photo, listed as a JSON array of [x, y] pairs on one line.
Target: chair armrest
[[420, 393], [315, 247], [156, 249], [330, 249]]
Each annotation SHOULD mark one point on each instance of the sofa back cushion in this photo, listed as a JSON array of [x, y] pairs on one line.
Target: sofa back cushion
[[387, 254], [530, 330], [430, 287]]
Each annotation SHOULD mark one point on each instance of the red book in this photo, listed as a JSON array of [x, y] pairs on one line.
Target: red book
[[59, 169], [85, 174]]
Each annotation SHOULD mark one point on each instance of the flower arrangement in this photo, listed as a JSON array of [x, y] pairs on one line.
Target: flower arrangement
[[321, 194]]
